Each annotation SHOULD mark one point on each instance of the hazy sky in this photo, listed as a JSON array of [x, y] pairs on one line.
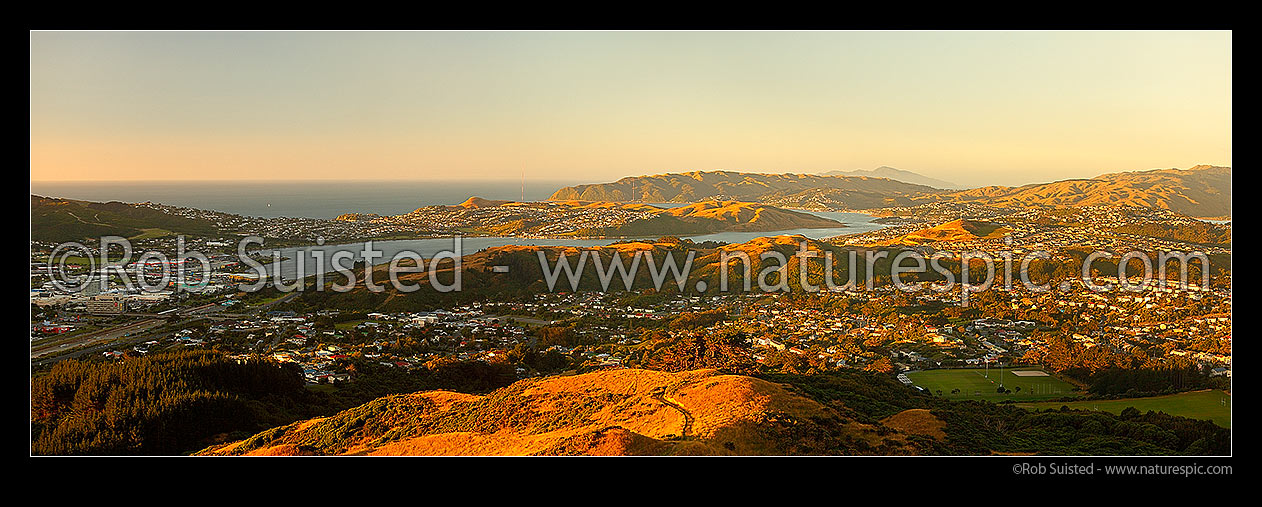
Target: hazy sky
[[969, 107]]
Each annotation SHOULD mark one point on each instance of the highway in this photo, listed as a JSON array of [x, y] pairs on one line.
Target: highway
[[53, 345], [52, 350]]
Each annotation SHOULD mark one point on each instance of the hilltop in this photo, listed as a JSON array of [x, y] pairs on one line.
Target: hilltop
[[177, 402], [615, 412], [748, 216], [478, 202], [896, 174], [709, 412]]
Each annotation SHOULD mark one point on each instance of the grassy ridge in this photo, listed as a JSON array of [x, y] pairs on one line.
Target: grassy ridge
[[69, 220]]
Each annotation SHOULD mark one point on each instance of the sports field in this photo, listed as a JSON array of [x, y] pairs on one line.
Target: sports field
[[1208, 404], [980, 384]]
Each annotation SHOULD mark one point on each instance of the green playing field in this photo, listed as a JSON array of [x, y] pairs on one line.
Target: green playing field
[[1212, 405], [980, 384]]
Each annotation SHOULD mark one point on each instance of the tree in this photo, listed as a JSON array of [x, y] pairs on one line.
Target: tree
[[881, 365]]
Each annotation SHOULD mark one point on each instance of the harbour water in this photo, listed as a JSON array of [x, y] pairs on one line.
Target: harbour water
[[319, 258]]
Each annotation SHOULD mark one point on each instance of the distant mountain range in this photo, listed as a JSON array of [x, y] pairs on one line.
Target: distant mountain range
[[897, 175], [1200, 191]]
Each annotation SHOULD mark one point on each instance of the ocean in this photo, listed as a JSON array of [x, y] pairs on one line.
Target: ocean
[[328, 199], [310, 199]]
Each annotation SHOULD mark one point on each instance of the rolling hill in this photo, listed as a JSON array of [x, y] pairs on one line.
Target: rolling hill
[[478, 202], [605, 218], [707, 412], [615, 412], [951, 232], [54, 219], [748, 216], [1201, 191]]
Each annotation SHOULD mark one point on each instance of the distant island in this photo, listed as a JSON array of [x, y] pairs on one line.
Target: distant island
[[896, 174]]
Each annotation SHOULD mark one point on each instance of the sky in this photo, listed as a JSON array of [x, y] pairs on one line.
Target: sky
[[974, 108]]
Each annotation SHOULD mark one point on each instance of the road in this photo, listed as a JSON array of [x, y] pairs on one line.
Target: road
[[111, 345], [523, 320], [134, 332], [52, 345]]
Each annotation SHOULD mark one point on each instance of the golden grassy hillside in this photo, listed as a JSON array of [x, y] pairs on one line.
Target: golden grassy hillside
[[702, 185], [478, 202], [632, 206], [749, 216], [615, 412], [700, 218], [917, 421], [1201, 191], [952, 232], [784, 243]]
